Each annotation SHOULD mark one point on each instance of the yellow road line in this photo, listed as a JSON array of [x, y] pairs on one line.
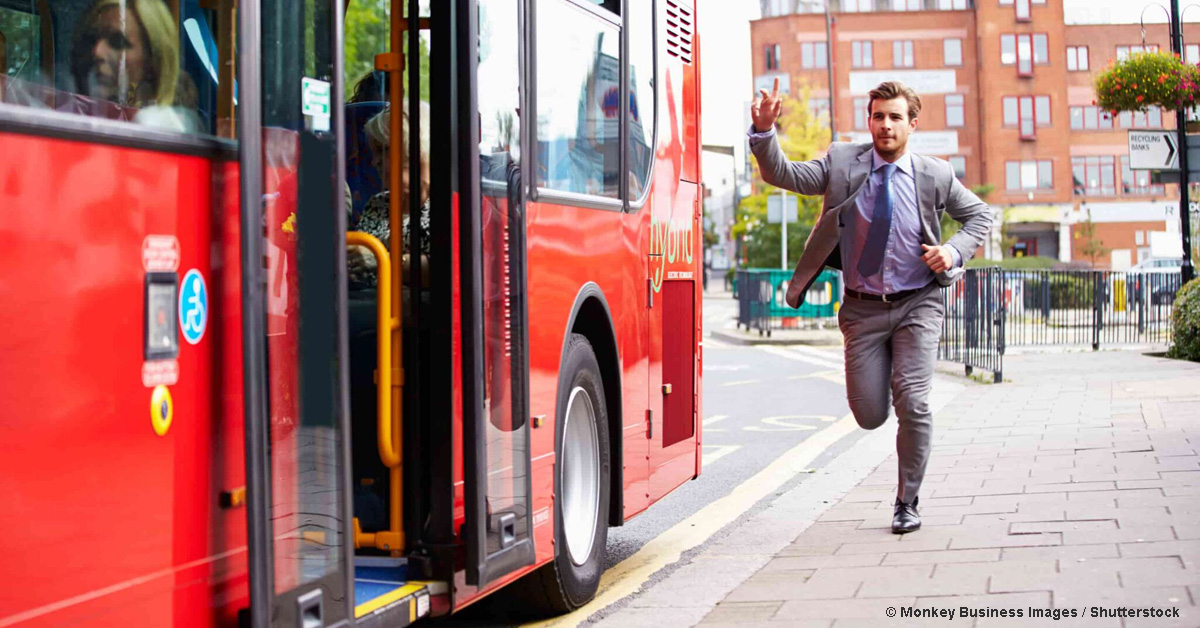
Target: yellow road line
[[629, 575]]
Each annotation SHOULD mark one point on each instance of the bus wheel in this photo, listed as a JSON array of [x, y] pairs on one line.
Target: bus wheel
[[581, 486]]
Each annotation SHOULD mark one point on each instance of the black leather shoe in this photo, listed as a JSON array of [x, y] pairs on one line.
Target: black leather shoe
[[906, 519]]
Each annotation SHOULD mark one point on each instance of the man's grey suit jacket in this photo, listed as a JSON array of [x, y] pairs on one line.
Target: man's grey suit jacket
[[840, 175]]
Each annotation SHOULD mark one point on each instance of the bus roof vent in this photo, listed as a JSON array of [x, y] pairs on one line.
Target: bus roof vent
[[680, 26]]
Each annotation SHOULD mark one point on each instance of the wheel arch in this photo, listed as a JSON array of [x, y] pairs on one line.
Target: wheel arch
[[592, 318]]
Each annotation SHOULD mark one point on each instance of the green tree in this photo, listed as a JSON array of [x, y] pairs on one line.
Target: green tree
[[368, 33], [951, 226], [1090, 246], [803, 134]]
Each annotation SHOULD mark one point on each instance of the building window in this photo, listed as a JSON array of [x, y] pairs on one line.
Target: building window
[[860, 112], [580, 156], [952, 52], [863, 54], [813, 55], [1022, 10], [959, 163], [1027, 113], [1094, 176], [1125, 51], [954, 110], [1006, 2], [1137, 182], [771, 52], [952, 5], [1024, 55], [1191, 54], [1029, 175], [858, 6], [1151, 118], [1008, 49], [1042, 110], [906, 5], [1077, 58], [1041, 49], [902, 54], [1088, 118]]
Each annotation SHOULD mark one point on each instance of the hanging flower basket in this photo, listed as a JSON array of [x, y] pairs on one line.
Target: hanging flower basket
[[1148, 79]]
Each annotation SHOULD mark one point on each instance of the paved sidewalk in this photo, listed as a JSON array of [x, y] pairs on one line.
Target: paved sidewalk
[[1074, 485]]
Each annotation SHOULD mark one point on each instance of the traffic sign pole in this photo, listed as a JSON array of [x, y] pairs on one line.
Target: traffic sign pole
[[1181, 122]]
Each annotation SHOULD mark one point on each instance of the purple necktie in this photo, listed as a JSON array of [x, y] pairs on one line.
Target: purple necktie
[[881, 226]]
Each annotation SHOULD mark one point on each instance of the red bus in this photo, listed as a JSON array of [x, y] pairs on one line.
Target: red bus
[[232, 401]]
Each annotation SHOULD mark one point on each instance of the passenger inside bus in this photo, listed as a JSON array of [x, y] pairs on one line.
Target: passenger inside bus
[[125, 60], [127, 52], [374, 218]]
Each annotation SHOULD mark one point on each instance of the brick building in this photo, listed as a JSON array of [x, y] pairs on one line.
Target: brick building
[[1006, 88]]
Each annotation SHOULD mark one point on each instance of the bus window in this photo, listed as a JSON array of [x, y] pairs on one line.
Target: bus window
[[578, 101], [20, 43], [137, 61], [641, 97]]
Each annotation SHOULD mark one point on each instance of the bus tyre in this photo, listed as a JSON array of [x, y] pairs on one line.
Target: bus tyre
[[581, 485]]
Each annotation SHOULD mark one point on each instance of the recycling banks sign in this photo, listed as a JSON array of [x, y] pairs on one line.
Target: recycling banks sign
[[1153, 150]]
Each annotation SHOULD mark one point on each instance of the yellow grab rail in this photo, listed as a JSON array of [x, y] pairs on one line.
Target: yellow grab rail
[[389, 434], [389, 417]]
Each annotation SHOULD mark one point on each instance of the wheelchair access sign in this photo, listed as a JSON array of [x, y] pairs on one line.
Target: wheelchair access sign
[[193, 306]]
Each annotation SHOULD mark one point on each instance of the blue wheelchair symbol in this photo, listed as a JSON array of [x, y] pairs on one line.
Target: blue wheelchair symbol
[[193, 306]]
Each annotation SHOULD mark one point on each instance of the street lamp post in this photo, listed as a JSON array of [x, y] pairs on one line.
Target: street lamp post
[[828, 64], [1177, 47]]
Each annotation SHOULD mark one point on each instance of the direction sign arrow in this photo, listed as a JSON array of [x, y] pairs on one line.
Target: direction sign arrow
[[1153, 150]]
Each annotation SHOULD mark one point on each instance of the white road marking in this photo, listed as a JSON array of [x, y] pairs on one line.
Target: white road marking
[[805, 357], [714, 418], [786, 423], [741, 382], [713, 453]]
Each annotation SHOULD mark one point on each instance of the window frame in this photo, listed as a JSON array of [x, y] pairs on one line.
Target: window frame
[[908, 53], [632, 205], [773, 55], [538, 193], [1023, 10], [946, 57], [1024, 60], [862, 105], [48, 123], [812, 47], [862, 54], [960, 159], [1073, 58], [1011, 38], [1022, 165], [1191, 53], [962, 110]]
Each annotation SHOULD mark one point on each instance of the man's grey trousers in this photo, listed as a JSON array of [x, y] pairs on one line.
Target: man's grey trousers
[[895, 343]]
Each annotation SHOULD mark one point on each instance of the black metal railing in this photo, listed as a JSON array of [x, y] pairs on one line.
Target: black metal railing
[[973, 331], [1094, 308], [754, 294]]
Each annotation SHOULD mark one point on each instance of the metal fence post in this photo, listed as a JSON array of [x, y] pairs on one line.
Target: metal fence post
[[1097, 312]]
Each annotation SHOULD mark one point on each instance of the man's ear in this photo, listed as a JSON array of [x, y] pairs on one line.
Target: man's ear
[[912, 124]]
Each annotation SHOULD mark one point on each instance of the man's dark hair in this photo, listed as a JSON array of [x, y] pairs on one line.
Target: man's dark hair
[[895, 89]]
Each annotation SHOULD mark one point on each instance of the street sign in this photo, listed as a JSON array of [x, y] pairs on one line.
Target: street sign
[[773, 205], [1153, 150]]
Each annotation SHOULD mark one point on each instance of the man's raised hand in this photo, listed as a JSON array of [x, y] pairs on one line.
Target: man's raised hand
[[766, 108]]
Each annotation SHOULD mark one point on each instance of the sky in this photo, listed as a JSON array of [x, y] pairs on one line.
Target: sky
[[1121, 11], [725, 74]]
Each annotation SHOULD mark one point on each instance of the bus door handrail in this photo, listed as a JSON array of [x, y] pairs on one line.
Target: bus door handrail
[[388, 419], [389, 450]]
